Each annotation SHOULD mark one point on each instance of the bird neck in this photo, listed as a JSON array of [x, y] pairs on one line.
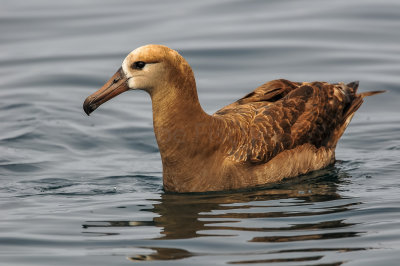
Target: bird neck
[[183, 131], [179, 121]]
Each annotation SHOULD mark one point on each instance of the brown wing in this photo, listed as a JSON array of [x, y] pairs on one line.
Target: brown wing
[[267, 93], [281, 115]]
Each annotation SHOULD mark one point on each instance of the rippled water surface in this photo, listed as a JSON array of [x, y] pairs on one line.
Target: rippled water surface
[[78, 190]]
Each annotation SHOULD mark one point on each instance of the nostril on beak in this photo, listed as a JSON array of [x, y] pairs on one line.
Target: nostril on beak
[[116, 80]]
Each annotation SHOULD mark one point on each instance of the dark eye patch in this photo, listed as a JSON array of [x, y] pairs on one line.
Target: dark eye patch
[[138, 65]]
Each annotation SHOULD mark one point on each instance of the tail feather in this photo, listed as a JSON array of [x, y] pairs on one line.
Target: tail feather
[[357, 100], [370, 93], [356, 103], [353, 85]]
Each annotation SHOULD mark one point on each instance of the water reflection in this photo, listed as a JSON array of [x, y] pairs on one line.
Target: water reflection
[[308, 210], [163, 254]]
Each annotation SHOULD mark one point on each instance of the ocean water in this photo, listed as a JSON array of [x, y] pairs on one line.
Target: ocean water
[[78, 190]]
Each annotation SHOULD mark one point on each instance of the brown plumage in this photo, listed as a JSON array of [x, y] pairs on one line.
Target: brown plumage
[[280, 130]]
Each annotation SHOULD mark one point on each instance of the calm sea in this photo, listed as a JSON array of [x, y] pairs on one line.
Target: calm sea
[[78, 190]]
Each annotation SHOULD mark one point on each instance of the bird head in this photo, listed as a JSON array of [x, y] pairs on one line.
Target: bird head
[[151, 68]]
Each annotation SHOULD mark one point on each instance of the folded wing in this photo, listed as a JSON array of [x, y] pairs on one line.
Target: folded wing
[[281, 115]]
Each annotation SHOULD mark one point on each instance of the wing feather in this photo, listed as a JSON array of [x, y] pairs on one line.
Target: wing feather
[[282, 115]]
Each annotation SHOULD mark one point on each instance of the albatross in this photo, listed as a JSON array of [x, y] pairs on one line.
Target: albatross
[[280, 130]]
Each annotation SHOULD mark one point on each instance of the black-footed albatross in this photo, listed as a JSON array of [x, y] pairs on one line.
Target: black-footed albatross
[[282, 129]]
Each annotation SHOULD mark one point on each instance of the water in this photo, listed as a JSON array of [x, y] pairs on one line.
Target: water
[[79, 190]]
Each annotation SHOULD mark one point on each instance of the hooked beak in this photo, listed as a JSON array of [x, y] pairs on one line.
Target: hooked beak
[[116, 85]]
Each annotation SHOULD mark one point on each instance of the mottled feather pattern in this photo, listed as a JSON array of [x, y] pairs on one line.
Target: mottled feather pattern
[[281, 115]]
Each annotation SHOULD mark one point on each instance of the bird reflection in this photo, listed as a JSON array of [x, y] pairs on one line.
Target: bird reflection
[[305, 206]]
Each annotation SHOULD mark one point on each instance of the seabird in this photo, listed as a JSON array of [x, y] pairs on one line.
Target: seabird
[[282, 129]]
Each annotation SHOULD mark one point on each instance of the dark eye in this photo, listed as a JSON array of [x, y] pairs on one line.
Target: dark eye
[[138, 65]]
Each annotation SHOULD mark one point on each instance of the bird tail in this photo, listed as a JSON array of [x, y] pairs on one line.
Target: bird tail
[[357, 99], [353, 86], [369, 93], [355, 102]]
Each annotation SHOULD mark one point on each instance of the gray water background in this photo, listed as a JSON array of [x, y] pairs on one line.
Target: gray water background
[[78, 190]]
